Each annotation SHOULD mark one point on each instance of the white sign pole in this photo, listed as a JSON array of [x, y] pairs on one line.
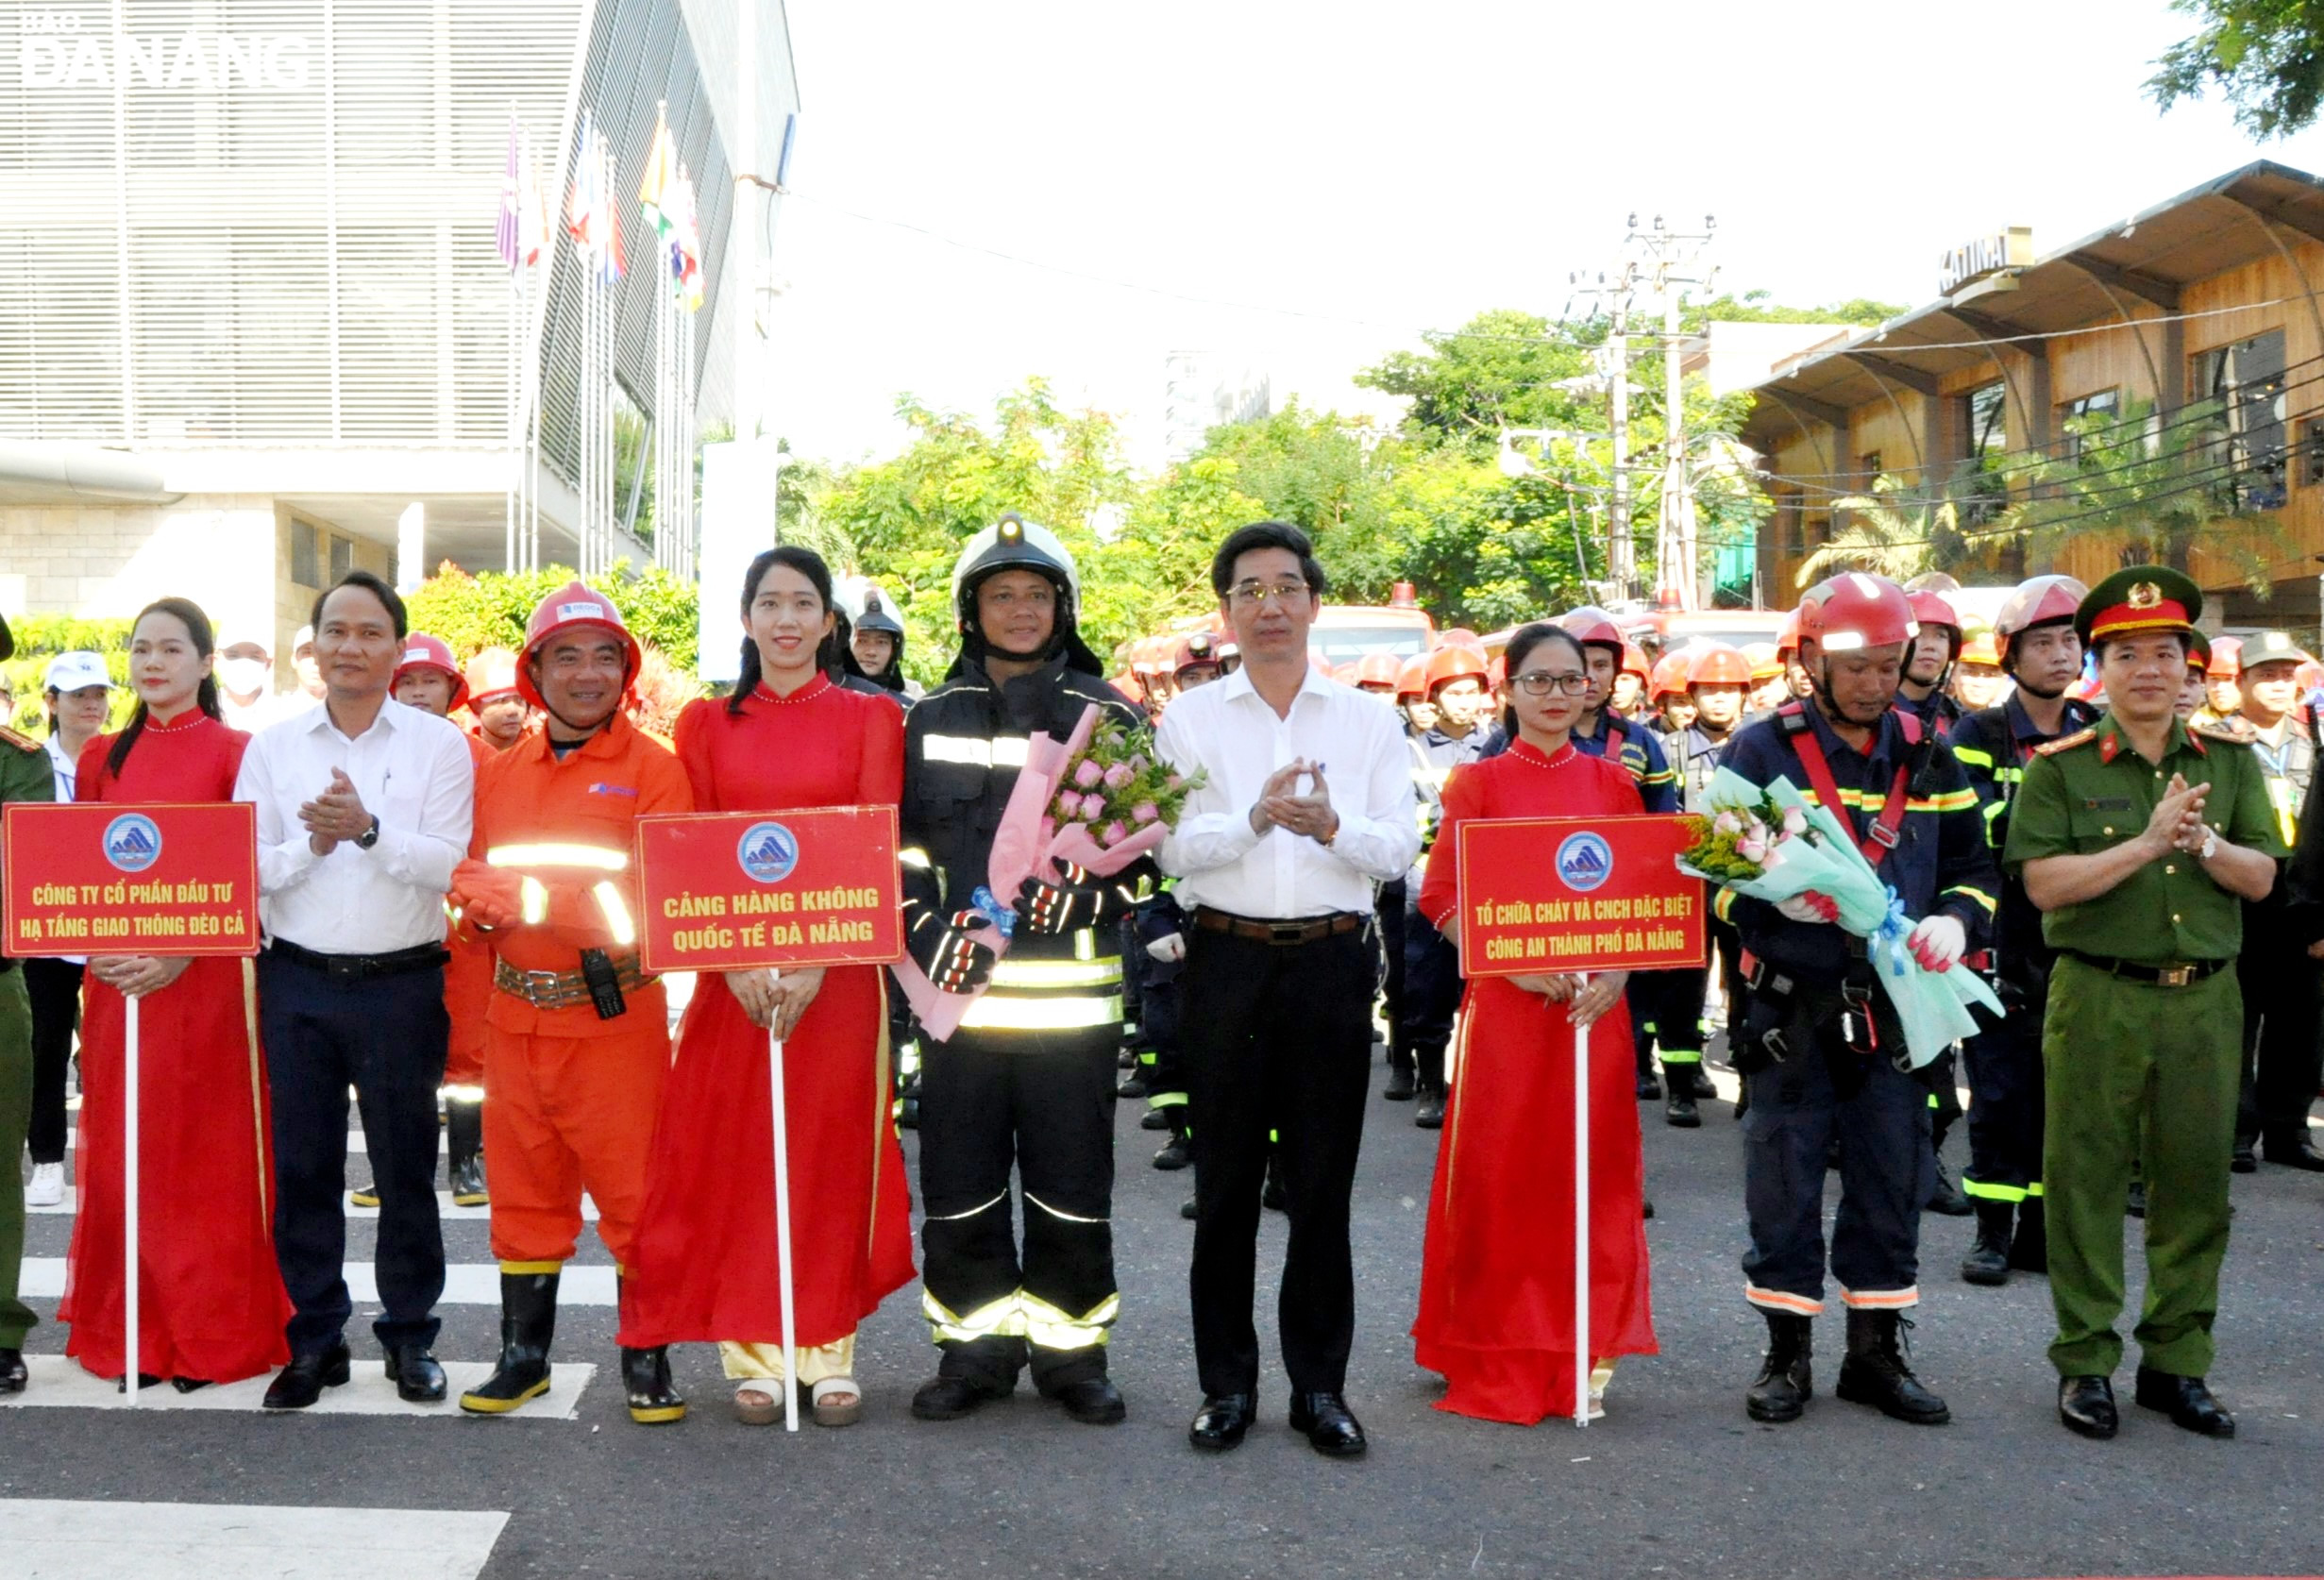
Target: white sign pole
[[1581, 1219], [130, 1351], [782, 1236]]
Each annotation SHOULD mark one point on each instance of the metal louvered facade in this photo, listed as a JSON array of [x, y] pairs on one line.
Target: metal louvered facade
[[254, 242]]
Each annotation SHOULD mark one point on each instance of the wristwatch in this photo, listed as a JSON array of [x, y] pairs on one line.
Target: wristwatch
[[370, 837]]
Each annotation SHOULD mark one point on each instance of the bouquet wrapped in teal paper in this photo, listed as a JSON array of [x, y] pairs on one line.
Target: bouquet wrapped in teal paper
[[1769, 843]]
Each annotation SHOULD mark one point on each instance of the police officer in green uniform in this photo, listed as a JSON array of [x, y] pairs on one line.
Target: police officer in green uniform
[[24, 777], [2138, 839]]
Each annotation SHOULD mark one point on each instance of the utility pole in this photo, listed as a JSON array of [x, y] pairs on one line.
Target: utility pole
[[1673, 258], [1613, 362]]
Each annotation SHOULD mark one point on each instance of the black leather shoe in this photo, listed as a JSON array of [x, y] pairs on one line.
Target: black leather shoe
[[1134, 1084], [1429, 1113], [951, 1398], [1988, 1261], [1186, 1209], [1400, 1087], [1093, 1402], [2186, 1401], [1649, 1089], [1176, 1153], [1680, 1111], [417, 1377], [13, 1373], [2244, 1161], [1945, 1197], [301, 1382], [1787, 1377], [2134, 1205], [1331, 1427], [1874, 1371], [1154, 1119], [2292, 1149], [1705, 1088], [1222, 1421], [189, 1385], [2087, 1405]]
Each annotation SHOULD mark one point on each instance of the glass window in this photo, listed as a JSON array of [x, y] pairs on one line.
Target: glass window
[[306, 554], [2244, 445], [1985, 430], [2085, 411], [341, 557], [2311, 451]]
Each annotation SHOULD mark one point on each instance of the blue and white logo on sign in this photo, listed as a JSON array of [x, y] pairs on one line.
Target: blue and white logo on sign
[[132, 843], [1585, 860], [769, 853]]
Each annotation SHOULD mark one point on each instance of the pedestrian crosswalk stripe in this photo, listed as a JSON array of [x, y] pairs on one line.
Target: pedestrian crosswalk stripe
[[464, 1283], [71, 1204], [355, 1142], [60, 1539], [59, 1383]]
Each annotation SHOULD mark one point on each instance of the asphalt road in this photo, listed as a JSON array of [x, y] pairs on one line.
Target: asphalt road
[[1675, 1480]]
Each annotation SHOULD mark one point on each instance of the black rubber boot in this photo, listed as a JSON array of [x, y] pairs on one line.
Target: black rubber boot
[[2030, 1250], [464, 1144], [1945, 1197], [1680, 1110], [1988, 1261], [528, 1327], [1874, 1372], [645, 1376], [1699, 1079], [1786, 1381]]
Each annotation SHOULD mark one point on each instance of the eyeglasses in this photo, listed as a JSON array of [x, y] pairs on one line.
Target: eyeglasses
[[1252, 594], [1541, 682]]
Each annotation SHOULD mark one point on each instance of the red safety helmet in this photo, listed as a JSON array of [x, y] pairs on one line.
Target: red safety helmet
[[423, 651], [1378, 669], [569, 608], [1634, 662], [1787, 636], [1461, 637], [1412, 679], [1766, 663], [1447, 665], [1344, 674], [1199, 649], [1497, 671], [1669, 676], [1719, 663], [1857, 610], [2227, 659], [1930, 609], [2041, 600], [491, 675], [1592, 627], [1318, 662]]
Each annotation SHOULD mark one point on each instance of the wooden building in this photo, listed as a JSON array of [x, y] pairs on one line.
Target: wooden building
[[2200, 315]]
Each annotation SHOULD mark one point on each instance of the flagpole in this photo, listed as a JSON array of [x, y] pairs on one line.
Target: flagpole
[[131, 1339]]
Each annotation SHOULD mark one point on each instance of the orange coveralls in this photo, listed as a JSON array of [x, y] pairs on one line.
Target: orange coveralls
[[572, 1099]]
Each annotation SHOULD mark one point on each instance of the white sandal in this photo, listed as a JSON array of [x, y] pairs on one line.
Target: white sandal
[[827, 1413], [768, 1407]]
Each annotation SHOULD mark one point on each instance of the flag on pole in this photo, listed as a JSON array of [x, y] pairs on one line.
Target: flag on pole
[[608, 223], [685, 243], [508, 230], [660, 176], [532, 208], [584, 203]]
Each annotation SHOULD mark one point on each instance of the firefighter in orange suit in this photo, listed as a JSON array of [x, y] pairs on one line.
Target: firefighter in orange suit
[[494, 700], [577, 1037], [427, 678]]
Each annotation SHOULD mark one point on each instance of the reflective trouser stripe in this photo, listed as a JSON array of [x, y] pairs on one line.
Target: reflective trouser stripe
[[1165, 1100], [995, 1318], [1678, 1056], [995, 1012], [1777, 1300], [1056, 973], [1984, 1191], [1052, 1329], [1880, 1299], [956, 1218]]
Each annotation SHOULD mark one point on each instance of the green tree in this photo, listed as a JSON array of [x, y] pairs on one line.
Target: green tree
[[1888, 534], [1500, 369], [490, 610], [2264, 56]]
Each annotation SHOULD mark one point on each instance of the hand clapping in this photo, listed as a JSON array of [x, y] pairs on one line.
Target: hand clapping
[[335, 814], [1280, 804], [2178, 817]]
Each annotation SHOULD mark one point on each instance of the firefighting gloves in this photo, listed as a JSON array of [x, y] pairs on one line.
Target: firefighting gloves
[[1937, 943], [487, 897], [951, 949], [1054, 908]]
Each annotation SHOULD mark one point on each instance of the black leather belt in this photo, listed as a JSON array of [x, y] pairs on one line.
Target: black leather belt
[[2184, 973], [1283, 934], [362, 967]]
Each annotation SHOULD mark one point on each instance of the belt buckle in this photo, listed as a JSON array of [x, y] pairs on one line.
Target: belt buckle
[[2174, 975], [1284, 932], [340, 967], [1884, 836]]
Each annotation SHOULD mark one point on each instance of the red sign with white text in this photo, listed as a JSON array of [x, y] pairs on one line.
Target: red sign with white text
[[95, 878], [726, 891], [1576, 894]]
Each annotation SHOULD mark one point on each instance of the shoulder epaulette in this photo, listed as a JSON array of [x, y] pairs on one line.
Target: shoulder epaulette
[[22, 743], [2231, 730], [2080, 737]]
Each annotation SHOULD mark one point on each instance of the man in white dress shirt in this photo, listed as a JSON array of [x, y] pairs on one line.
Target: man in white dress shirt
[[363, 810], [1307, 804]]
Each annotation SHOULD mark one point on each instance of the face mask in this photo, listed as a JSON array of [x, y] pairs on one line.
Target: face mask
[[242, 676]]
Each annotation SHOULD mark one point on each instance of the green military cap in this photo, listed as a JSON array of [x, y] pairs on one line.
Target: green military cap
[[2198, 651], [2272, 647], [2139, 598]]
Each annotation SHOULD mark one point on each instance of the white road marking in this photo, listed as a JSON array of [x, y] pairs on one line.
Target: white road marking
[[71, 1204], [59, 1383], [45, 1539], [355, 1142], [464, 1283]]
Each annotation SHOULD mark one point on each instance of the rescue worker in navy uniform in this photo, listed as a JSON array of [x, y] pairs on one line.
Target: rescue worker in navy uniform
[[1028, 1078], [1653, 996], [1457, 680], [876, 638], [1718, 679], [1820, 1047], [1930, 664], [2280, 1051], [2034, 635]]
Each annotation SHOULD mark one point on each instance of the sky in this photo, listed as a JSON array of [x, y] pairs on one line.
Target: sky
[[1301, 188]]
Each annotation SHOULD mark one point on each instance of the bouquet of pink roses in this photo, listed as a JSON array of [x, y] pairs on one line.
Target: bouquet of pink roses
[[1116, 801]]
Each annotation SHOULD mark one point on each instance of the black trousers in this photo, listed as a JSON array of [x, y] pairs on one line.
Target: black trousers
[[55, 989], [385, 1036], [1388, 909], [2006, 1094], [1040, 1104], [1280, 1039], [1432, 988], [2281, 1060]]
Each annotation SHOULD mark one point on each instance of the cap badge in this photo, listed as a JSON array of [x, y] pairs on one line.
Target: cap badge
[[2144, 594]]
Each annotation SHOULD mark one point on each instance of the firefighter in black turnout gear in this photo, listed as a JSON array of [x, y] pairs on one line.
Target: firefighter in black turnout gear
[[1028, 1078]]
